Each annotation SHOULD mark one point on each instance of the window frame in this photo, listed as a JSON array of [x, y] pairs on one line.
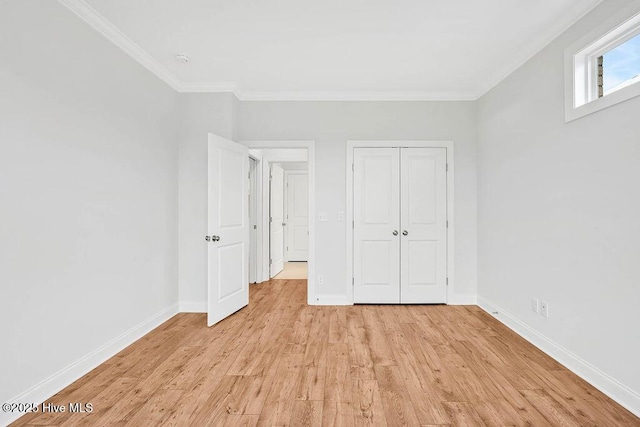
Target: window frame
[[581, 69]]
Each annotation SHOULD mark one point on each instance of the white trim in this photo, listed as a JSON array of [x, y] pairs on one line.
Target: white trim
[[579, 86], [457, 299], [61, 379], [617, 391], [117, 37], [310, 146], [204, 87], [193, 306], [326, 299], [450, 205], [358, 96]]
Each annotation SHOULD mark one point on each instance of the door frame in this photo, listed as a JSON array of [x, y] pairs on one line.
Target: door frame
[[351, 145], [312, 299]]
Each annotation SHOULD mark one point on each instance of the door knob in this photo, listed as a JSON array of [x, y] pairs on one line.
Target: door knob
[[405, 232], [215, 238], [207, 238], [395, 232]]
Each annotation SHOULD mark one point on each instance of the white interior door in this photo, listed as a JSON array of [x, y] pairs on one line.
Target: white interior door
[[228, 223], [423, 219], [297, 216], [276, 233], [376, 238]]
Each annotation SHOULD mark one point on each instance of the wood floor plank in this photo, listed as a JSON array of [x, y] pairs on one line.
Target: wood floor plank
[[280, 362]]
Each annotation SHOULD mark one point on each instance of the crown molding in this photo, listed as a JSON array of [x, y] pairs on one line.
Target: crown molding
[[208, 87], [357, 96], [537, 44], [117, 37]]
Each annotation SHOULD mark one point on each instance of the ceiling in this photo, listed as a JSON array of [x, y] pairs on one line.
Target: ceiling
[[333, 49]]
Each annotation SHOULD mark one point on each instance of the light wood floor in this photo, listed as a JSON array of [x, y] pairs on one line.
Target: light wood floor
[[281, 362], [293, 270]]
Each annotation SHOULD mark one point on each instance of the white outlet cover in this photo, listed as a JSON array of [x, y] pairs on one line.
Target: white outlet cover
[[544, 309], [320, 280], [323, 217], [341, 216]]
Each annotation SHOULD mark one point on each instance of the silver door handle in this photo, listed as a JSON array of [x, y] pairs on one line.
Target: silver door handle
[[215, 238], [395, 232], [405, 232], [284, 224], [207, 238]]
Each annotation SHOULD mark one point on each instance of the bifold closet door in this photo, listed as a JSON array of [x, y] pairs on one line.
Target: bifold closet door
[[423, 219], [376, 236]]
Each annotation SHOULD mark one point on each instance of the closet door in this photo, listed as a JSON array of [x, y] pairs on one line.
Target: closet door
[[423, 212], [376, 233]]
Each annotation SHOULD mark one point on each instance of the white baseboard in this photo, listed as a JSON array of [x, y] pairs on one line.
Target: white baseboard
[[617, 391], [330, 300], [193, 306], [61, 379], [463, 300]]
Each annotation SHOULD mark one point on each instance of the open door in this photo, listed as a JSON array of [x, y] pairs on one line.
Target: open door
[[228, 222], [276, 224]]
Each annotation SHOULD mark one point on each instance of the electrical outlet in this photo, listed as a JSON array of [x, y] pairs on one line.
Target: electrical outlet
[[534, 305], [544, 308], [320, 280], [341, 216]]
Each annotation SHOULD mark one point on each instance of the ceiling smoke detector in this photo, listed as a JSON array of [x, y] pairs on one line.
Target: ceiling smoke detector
[[182, 58]]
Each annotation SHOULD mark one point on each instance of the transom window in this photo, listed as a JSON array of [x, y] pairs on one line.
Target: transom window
[[603, 68]]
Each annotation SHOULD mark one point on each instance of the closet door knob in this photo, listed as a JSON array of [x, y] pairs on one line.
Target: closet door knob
[[405, 232], [395, 232]]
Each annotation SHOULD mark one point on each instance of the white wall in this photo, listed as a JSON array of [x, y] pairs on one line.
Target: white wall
[[88, 193], [559, 216], [200, 114], [331, 124]]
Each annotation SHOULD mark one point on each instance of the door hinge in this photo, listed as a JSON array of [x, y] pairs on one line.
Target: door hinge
[[353, 281], [447, 167], [255, 227], [270, 262], [270, 219], [353, 168], [353, 224], [447, 223], [447, 281], [270, 177]]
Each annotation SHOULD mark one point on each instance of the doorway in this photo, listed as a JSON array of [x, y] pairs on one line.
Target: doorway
[[293, 158]]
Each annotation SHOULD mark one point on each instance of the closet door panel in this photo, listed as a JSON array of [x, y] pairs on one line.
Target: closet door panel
[[423, 212], [376, 217]]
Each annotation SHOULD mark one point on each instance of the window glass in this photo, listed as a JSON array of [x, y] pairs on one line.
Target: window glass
[[621, 66]]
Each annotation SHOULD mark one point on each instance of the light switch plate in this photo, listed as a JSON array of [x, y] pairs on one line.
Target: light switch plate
[[323, 217], [341, 216]]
